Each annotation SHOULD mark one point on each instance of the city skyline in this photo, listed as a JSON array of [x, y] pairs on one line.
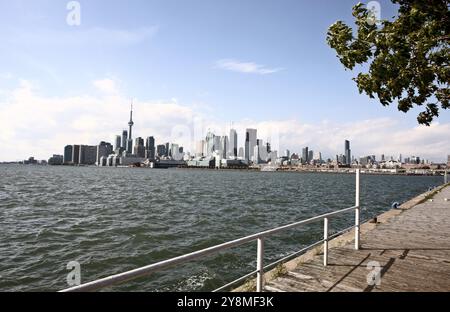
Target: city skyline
[[61, 83]]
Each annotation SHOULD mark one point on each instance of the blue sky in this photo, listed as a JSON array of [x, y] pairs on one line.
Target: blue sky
[[260, 61]]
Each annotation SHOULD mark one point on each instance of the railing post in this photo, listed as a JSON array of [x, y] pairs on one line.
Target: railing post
[[325, 243], [260, 265], [357, 210], [445, 177]]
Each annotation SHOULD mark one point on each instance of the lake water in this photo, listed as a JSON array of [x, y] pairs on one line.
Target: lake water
[[115, 219]]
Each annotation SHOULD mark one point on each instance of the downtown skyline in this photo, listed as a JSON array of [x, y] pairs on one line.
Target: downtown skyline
[[62, 84]]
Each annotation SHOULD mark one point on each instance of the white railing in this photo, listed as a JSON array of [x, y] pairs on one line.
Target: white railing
[[259, 237]]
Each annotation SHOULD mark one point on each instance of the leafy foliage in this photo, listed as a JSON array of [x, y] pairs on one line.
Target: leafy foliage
[[408, 57]]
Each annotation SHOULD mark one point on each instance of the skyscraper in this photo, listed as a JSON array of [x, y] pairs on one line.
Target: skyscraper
[[250, 143], [68, 154], [167, 150], [161, 150], [150, 148], [310, 156], [233, 143], [104, 149], [131, 123], [305, 155], [348, 157], [224, 146], [139, 148], [118, 142], [124, 139], [76, 154], [209, 143]]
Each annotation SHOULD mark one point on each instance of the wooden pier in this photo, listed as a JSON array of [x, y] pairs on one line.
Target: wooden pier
[[411, 245]]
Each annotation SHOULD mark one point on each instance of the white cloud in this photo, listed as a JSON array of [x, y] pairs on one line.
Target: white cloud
[[32, 124], [105, 85], [245, 67]]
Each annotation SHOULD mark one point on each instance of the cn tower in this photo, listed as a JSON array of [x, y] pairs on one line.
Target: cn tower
[[130, 123]]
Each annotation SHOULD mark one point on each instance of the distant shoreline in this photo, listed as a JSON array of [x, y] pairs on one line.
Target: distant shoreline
[[365, 171]]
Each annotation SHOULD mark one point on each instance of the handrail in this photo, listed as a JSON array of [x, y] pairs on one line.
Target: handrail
[[148, 269]]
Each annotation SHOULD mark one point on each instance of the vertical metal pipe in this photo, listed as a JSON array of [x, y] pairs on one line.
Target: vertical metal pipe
[[260, 265], [325, 243], [445, 177], [357, 211]]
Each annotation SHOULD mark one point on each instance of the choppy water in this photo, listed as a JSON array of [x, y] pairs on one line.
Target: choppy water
[[112, 220]]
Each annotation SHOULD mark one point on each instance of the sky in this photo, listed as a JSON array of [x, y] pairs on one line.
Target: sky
[[190, 66]]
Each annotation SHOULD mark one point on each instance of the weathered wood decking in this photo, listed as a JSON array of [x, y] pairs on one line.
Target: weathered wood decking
[[412, 247]]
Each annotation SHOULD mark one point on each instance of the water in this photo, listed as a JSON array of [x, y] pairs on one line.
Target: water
[[115, 219]]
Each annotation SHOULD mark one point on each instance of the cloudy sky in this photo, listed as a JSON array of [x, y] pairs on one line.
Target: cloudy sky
[[191, 66]]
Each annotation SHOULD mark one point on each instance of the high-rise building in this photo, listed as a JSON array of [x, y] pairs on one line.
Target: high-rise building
[[209, 143], [250, 143], [233, 143], [287, 153], [305, 155], [104, 149], [216, 144], [224, 143], [118, 142], [161, 150], [348, 157], [175, 152], [167, 150], [150, 148], [68, 151], [88, 155], [310, 156], [76, 154], [124, 140], [139, 148]]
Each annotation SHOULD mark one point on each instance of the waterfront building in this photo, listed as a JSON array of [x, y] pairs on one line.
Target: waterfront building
[[224, 143], [209, 143], [167, 149], [175, 152], [56, 160], [150, 148], [448, 161], [305, 155], [124, 140], [250, 143], [310, 156], [88, 155], [104, 149], [233, 150], [68, 150], [202, 162], [216, 144], [347, 152], [161, 150], [76, 154], [287, 153], [139, 148], [118, 142]]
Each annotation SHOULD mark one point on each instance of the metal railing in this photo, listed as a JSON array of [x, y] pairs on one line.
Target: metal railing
[[258, 237]]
